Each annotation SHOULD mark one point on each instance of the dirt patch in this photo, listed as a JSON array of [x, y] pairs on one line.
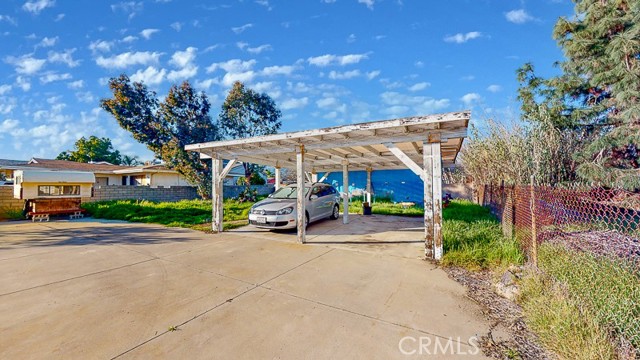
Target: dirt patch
[[505, 316]]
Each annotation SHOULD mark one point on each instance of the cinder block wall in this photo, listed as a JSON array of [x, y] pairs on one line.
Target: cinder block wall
[[7, 202], [122, 192]]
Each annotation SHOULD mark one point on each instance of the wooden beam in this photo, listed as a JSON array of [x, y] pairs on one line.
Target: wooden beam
[[324, 176], [405, 159], [416, 147], [227, 169], [300, 201]]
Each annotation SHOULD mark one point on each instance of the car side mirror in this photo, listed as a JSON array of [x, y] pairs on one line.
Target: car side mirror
[[313, 197]]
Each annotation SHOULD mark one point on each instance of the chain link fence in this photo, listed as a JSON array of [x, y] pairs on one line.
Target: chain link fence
[[587, 238]]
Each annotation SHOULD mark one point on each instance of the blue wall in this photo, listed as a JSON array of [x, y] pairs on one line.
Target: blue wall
[[400, 185]]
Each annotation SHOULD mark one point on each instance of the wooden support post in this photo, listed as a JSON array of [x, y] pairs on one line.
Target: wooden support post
[[369, 171], [216, 195], [437, 200], [301, 201], [427, 159], [278, 178], [533, 252], [345, 191], [314, 176]]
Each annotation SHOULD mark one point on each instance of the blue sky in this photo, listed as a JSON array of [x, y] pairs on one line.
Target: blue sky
[[324, 62]]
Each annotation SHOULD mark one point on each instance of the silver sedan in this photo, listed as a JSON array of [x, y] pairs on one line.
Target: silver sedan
[[278, 211]]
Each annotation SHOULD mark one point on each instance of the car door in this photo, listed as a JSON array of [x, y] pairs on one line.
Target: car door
[[315, 205], [326, 200]]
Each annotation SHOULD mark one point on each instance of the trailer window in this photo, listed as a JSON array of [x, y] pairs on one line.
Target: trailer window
[[58, 190]]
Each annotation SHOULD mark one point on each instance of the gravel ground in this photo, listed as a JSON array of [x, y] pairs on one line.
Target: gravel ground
[[504, 314]]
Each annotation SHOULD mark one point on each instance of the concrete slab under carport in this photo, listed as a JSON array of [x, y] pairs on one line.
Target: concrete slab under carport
[[230, 296], [381, 234]]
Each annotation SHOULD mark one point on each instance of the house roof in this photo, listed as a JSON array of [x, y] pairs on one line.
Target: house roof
[[71, 165], [7, 162]]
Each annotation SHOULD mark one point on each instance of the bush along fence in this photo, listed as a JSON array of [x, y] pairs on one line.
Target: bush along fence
[[587, 238]]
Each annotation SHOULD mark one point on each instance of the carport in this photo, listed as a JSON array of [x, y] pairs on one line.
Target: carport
[[421, 143]]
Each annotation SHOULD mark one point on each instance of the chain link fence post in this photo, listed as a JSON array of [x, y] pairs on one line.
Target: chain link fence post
[[533, 247]]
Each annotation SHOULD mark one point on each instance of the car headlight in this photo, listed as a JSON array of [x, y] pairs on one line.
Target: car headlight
[[285, 211]]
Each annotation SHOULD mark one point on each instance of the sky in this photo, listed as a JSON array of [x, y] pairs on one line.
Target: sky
[[324, 62]]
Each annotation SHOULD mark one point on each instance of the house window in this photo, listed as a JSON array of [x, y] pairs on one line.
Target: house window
[[58, 190]]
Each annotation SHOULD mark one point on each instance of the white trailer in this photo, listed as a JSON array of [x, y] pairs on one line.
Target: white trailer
[[49, 192]]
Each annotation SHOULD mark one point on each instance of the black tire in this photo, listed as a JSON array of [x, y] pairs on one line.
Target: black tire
[[306, 220], [335, 214]]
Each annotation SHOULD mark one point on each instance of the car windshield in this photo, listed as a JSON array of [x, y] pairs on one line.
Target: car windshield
[[288, 193]]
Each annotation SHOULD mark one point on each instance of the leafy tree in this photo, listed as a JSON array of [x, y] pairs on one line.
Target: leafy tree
[[596, 99], [92, 149], [246, 113], [166, 127], [130, 160]]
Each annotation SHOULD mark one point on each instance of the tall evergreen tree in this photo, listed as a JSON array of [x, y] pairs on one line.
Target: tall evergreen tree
[[247, 113], [167, 126], [597, 96]]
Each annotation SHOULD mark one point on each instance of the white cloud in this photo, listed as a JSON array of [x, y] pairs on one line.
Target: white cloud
[[183, 58], [59, 17], [468, 78], [462, 38], [65, 57], [100, 45], [328, 102], [336, 75], [494, 88], [129, 39], [8, 19], [127, 59], [23, 83], [26, 64], [4, 89], [9, 124], [233, 65], [36, 6], [351, 38], [131, 8], [51, 77], [149, 76], [259, 49], [373, 74], [419, 86], [231, 77], [242, 45], [48, 42], [186, 72], [177, 26], [7, 104], [278, 70], [519, 16], [419, 64], [147, 33], [470, 98], [85, 97], [78, 84], [369, 3], [264, 3], [241, 29], [329, 59], [397, 104], [294, 103]]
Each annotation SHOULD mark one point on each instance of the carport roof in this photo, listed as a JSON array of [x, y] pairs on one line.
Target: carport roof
[[364, 145]]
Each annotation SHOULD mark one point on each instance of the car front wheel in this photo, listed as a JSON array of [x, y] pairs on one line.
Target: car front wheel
[[335, 214]]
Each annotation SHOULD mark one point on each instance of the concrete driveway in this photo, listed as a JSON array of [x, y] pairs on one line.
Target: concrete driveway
[[95, 289]]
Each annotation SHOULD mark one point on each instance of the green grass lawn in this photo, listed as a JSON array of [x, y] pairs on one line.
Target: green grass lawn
[[471, 235], [194, 214]]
